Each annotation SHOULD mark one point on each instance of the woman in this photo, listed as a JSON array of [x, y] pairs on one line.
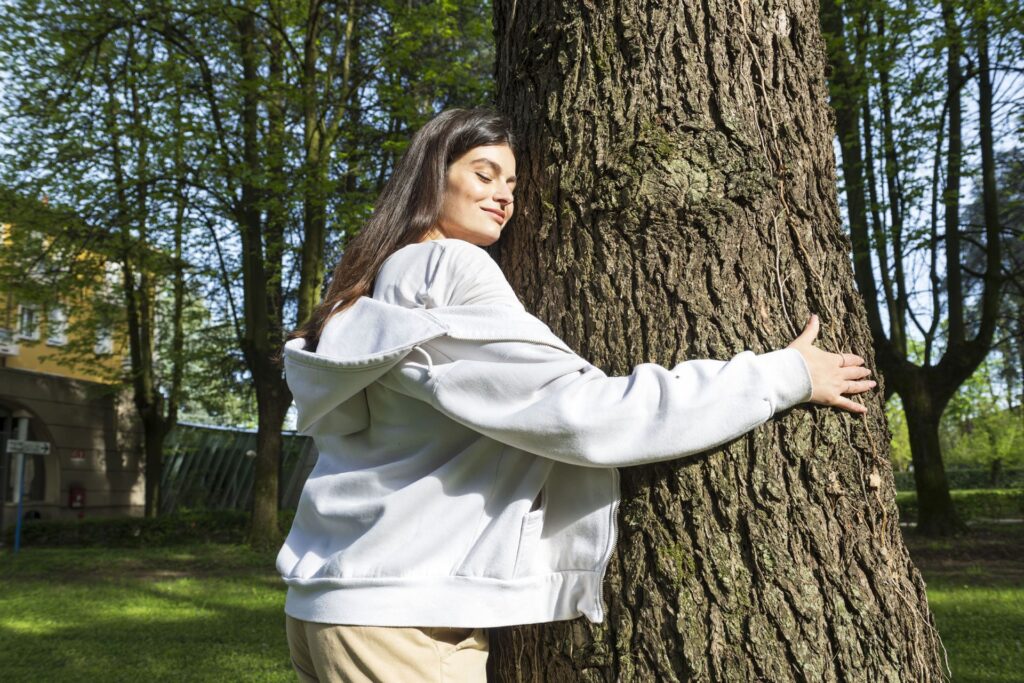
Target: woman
[[467, 457]]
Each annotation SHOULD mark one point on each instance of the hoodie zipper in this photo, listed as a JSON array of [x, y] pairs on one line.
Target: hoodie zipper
[[430, 361], [611, 549]]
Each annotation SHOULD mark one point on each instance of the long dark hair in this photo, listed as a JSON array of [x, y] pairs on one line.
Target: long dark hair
[[408, 206]]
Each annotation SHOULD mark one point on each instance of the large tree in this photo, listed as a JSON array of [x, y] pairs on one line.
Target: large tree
[[677, 199]]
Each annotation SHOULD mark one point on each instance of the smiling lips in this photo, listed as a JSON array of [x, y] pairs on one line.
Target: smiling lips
[[498, 215]]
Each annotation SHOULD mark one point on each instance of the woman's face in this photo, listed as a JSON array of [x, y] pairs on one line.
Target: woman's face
[[478, 195]]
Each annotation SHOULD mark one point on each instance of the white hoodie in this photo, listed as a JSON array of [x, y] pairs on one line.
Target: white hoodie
[[442, 410]]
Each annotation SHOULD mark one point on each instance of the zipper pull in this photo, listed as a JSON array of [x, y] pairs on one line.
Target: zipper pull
[[430, 362]]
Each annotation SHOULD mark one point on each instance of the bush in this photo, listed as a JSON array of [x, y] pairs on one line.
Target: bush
[[211, 526], [971, 504], [969, 478]]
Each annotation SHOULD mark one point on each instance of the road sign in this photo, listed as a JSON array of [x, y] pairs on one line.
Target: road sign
[[28, 447]]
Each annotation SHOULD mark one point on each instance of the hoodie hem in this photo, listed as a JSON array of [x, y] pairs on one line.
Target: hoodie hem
[[463, 602]]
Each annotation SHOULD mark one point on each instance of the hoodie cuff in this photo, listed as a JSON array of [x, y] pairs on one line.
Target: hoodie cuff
[[789, 380]]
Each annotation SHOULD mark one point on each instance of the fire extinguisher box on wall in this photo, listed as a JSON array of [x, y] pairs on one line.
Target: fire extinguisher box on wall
[[76, 496]]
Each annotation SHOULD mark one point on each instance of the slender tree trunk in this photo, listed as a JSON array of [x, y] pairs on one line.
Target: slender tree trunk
[[136, 282], [894, 185], [676, 200], [178, 312], [951, 193], [314, 190], [323, 116], [264, 531]]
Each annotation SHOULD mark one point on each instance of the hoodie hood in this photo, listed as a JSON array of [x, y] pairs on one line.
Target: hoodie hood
[[365, 341]]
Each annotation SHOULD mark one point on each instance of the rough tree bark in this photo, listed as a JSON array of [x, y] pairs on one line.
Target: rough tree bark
[[677, 199]]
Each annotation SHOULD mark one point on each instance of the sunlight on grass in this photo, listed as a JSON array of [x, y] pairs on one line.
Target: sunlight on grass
[[183, 557], [40, 627], [983, 630]]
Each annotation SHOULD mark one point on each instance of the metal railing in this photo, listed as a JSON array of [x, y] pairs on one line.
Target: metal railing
[[208, 467]]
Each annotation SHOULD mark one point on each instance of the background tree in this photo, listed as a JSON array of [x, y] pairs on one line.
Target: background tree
[[907, 150], [677, 200], [281, 68], [1008, 346], [90, 116]]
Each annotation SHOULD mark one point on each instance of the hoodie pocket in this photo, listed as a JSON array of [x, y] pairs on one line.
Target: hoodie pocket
[[529, 536]]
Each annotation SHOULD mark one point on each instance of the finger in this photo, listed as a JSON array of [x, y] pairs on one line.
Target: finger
[[856, 372], [851, 359], [810, 331], [859, 387], [852, 406]]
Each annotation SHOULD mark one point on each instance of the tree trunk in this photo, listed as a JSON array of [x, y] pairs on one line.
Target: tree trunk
[[314, 188], [264, 531], [677, 200], [155, 430], [936, 515]]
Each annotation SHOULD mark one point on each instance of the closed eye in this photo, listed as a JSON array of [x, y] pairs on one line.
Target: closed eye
[[483, 177]]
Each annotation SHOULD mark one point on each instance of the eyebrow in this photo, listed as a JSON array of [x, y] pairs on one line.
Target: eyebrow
[[494, 167]]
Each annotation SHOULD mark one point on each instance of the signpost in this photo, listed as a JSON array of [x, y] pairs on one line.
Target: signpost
[[28, 447], [22, 447]]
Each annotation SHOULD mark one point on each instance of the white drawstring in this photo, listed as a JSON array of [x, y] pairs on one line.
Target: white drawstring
[[430, 363]]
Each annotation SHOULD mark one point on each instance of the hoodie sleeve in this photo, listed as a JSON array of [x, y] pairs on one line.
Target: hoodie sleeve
[[555, 404]]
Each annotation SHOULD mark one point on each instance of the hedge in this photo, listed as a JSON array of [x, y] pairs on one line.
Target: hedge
[[971, 504], [969, 478], [228, 526], [211, 526]]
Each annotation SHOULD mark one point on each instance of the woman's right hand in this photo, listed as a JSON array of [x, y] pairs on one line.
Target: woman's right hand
[[832, 374]]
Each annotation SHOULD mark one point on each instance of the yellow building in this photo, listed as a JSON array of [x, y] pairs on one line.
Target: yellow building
[[59, 376]]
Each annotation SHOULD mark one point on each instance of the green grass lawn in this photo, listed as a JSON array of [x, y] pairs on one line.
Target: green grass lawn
[[197, 613], [213, 612], [982, 629], [976, 591]]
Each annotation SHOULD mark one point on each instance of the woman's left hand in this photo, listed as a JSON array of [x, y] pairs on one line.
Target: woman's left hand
[[832, 374]]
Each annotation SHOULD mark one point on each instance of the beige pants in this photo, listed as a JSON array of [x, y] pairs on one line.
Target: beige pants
[[335, 653]]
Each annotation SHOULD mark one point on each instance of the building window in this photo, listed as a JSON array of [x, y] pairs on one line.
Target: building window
[[28, 322], [104, 341], [8, 347], [56, 326], [113, 279]]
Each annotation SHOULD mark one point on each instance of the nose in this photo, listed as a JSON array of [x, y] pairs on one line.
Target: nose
[[503, 195]]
